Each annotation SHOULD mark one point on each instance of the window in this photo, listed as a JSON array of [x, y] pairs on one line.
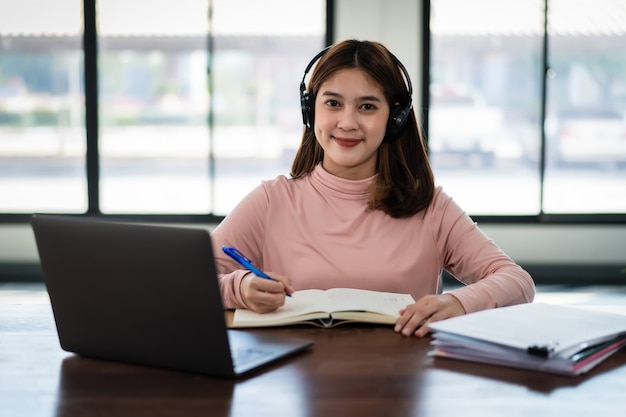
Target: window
[[488, 113], [153, 106], [586, 108], [197, 102], [257, 68], [161, 80], [42, 134]]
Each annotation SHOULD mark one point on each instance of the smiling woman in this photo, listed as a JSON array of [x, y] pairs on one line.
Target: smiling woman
[[361, 209]]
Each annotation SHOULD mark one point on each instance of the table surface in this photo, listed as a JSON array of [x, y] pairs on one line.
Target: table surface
[[350, 371]]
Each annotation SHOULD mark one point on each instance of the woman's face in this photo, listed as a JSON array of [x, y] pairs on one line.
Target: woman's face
[[351, 115]]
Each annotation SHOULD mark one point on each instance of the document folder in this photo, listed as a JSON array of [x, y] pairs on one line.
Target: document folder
[[544, 337]]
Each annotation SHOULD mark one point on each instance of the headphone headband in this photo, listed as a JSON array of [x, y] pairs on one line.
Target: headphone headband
[[398, 116]]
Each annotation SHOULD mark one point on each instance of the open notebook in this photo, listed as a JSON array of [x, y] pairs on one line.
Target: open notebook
[[145, 294], [329, 308]]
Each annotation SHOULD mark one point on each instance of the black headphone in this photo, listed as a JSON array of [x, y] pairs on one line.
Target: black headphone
[[398, 117]]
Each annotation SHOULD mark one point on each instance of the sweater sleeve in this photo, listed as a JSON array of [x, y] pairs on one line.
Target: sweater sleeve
[[493, 279], [243, 228]]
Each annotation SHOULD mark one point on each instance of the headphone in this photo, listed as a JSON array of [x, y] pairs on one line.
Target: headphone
[[398, 116]]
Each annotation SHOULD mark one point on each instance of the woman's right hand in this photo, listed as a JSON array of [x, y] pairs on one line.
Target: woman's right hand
[[262, 295]]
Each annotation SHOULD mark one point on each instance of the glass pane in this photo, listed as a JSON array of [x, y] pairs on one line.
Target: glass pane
[[586, 122], [156, 144], [42, 138], [259, 60], [484, 117], [154, 138]]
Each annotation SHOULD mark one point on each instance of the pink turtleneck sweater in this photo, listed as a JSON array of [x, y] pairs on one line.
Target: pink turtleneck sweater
[[318, 231]]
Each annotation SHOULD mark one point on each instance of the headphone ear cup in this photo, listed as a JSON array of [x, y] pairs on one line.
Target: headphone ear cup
[[307, 101], [304, 98], [307, 111], [397, 122]]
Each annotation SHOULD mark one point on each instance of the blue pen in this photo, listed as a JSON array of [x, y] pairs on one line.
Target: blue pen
[[245, 262]]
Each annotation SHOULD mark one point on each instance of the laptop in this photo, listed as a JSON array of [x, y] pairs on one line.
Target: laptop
[[148, 295]]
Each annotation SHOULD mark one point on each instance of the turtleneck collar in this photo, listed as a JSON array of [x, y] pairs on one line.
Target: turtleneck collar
[[341, 186]]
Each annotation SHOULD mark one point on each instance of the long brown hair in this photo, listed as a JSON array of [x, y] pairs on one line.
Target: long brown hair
[[405, 183]]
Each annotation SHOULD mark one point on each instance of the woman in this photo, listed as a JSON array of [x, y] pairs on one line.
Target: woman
[[361, 209]]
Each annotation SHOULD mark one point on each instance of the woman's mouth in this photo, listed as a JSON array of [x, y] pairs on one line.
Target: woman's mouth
[[347, 142]]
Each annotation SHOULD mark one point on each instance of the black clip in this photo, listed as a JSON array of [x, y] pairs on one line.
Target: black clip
[[541, 351]]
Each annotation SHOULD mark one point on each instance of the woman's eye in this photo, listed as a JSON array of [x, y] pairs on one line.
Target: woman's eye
[[368, 106], [332, 103]]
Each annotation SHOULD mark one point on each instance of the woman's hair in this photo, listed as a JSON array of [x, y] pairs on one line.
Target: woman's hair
[[405, 183]]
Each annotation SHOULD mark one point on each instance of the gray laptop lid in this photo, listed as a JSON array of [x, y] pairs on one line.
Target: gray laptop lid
[[144, 294]]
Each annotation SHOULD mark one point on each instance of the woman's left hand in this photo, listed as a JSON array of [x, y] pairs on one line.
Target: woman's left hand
[[414, 318]]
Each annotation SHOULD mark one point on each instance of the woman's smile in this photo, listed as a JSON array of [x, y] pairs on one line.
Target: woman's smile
[[346, 142]]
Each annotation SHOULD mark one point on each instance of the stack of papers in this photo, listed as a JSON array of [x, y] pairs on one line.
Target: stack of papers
[[543, 337]]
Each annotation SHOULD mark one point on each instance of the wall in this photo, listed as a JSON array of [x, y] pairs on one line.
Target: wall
[[552, 253], [535, 244]]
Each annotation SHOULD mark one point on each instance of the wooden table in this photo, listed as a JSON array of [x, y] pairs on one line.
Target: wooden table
[[351, 371]]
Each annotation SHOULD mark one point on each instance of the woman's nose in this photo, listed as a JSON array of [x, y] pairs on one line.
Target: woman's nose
[[348, 119]]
